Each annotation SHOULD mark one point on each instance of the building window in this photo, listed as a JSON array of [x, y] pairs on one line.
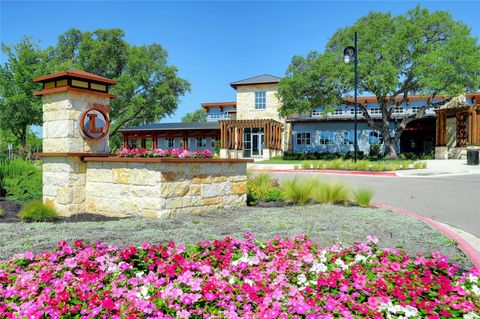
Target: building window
[[317, 112], [415, 109], [397, 110], [171, 142], [352, 111], [260, 100], [375, 137], [375, 110], [348, 137], [201, 142], [303, 138], [213, 142], [337, 112], [326, 137]]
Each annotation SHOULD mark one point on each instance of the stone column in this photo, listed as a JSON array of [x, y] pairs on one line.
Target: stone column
[[65, 142]]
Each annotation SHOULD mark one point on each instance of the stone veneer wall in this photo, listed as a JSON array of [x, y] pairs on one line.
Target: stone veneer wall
[[136, 188], [246, 102]]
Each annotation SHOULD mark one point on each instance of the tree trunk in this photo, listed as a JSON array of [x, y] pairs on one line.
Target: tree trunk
[[391, 148], [23, 137]]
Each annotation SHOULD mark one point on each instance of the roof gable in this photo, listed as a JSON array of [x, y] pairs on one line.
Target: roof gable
[[259, 79]]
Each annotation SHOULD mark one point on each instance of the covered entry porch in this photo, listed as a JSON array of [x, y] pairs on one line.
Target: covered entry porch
[[457, 130], [254, 138]]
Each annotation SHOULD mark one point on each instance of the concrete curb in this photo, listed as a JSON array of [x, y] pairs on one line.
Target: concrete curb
[[465, 246], [318, 171]]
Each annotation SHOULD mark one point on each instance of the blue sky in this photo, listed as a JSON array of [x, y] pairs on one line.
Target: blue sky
[[212, 43]]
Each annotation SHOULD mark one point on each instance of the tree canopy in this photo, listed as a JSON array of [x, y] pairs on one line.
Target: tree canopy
[[417, 53], [199, 115], [148, 88], [18, 108]]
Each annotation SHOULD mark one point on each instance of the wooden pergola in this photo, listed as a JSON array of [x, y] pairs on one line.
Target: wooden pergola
[[467, 125], [231, 133]]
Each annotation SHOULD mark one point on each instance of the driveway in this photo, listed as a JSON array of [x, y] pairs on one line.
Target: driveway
[[453, 200]]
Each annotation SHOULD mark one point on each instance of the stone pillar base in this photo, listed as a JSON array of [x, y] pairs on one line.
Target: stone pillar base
[[441, 152], [223, 153]]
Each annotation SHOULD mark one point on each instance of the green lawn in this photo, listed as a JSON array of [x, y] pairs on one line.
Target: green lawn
[[325, 224]]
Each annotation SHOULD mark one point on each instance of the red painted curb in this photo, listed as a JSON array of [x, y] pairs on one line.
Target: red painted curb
[[465, 246], [325, 171]]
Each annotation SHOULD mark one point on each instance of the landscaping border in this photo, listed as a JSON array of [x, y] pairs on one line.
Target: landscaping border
[[464, 245], [325, 171]]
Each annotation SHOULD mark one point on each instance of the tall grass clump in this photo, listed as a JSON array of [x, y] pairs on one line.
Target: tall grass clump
[[36, 211], [332, 192], [420, 164], [298, 191], [263, 187], [363, 196]]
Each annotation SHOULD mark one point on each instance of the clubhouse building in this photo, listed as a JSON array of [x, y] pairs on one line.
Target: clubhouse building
[[251, 126]]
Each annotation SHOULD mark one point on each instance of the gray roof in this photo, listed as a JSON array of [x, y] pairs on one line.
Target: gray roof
[[264, 78], [173, 126]]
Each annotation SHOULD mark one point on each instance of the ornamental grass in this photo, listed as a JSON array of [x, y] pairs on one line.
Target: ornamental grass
[[280, 278], [297, 190], [363, 196], [331, 192]]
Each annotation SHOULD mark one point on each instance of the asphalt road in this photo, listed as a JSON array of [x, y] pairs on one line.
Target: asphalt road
[[453, 200]]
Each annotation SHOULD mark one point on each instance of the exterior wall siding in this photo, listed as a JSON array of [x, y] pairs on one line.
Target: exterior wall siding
[[338, 130]]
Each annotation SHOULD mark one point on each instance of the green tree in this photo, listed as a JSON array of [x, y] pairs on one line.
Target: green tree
[[196, 116], [148, 88], [420, 53], [19, 109]]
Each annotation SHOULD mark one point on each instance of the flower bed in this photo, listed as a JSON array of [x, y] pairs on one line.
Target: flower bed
[[235, 279], [168, 153]]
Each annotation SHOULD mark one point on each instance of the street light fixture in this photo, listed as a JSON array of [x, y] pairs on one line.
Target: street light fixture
[[350, 54]]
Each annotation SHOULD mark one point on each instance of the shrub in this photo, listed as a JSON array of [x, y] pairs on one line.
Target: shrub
[[374, 153], [20, 180], [2, 212], [330, 192], [36, 211], [298, 191], [306, 165], [420, 164], [363, 196], [263, 187]]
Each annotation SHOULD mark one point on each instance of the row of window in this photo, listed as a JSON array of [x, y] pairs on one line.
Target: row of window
[[260, 100], [225, 115], [328, 138], [373, 111], [199, 142]]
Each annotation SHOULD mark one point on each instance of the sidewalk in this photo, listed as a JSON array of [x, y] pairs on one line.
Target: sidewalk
[[434, 168]]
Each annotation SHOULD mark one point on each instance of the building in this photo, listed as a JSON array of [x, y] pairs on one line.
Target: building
[[251, 126]]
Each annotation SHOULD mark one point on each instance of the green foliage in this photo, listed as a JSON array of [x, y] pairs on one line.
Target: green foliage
[[421, 164], [263, 188], [420, 52], [19, 109], [196, 116], [36, 211], [148, 88], [339, 164], [332, 192], [20, 180], [363, 196], [2, 212], [298, 191]]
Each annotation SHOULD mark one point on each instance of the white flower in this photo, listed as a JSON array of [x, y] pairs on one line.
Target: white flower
[[316, 268], [248, 281], [475, 290], [231, 281], [139, 274], [245, 258], [301, 279], [143, 293], [341, 263], [472, 278], [471, 315]]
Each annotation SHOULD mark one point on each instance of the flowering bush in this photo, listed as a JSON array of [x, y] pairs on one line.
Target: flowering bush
[[170, 153], [235, 279]]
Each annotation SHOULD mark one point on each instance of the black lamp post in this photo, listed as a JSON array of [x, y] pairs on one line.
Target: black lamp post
[[349, 55]]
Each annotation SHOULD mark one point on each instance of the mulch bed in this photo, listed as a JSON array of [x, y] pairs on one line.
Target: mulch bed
[[11, 210]]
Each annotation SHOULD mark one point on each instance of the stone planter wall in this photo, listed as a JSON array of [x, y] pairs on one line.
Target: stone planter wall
[[154, 188]]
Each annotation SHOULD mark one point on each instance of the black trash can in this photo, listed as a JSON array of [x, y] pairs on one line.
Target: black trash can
[[473, 157]]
